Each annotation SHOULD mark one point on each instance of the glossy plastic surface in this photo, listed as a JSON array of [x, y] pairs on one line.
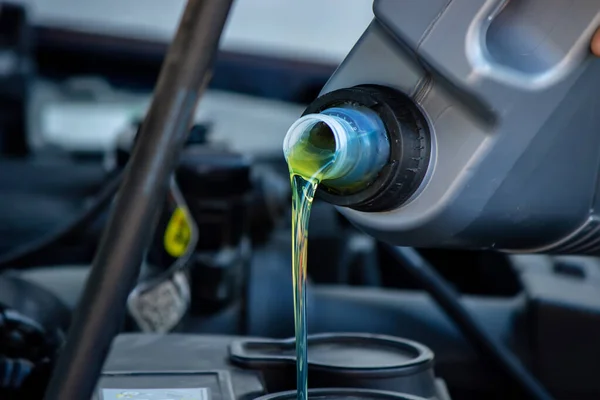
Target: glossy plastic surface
[[510, 92]]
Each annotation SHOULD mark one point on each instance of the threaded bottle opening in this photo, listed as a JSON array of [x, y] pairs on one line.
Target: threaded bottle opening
[[322, 137], [316, 145], [345, 146], [387, 151]]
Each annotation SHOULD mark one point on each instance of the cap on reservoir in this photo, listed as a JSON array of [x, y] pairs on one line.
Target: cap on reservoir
[[363, 360]]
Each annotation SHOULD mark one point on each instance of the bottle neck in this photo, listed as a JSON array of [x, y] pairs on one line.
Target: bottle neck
[[346, 146]]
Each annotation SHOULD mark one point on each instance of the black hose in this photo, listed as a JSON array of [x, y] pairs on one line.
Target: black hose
[[495, 353], [21, 256]]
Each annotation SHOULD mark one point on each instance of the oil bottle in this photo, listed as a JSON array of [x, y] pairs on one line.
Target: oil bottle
[[502, 95]]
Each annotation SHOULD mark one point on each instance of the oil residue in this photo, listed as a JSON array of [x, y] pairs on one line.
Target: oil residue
[[308, 160]]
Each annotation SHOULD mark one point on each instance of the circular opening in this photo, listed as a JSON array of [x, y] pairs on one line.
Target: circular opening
[[322, 132], [322, 137], [342, 394], [410, 150]]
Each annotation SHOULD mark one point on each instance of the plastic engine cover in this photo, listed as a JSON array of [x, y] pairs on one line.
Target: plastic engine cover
[[205, 367]]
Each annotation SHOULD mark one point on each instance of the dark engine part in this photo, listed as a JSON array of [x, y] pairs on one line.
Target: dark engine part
[[161, 296], [33, 323], [341, 360], [234, 368], [358, 394], [40, 198], [232, 206], [552, 324], [265, 196], [16, 74], [217, 186], [566, 289], [200, 251]]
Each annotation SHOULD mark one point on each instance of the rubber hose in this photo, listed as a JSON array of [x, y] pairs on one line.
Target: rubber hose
[[489, 348], [18, 258]]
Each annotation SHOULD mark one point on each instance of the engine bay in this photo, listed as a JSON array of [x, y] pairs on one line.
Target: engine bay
[[210, 315]]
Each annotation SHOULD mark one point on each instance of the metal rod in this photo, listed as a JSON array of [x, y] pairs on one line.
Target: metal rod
[[99, 316]]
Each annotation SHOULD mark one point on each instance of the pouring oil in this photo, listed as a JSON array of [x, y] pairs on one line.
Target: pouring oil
[[308, 160], [342, 147]]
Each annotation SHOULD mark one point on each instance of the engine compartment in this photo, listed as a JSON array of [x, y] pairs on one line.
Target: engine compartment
[[541, 307], [220, 324], [234, 367]]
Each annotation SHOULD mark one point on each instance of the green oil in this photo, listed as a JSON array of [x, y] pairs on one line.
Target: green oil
[[309, 161]]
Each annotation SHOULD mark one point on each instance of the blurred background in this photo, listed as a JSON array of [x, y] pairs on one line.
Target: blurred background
[[76, 78], [76, 75], [116, 49]]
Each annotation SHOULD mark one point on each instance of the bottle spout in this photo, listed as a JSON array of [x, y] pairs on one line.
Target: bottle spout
[[343, 147], [370, 147]]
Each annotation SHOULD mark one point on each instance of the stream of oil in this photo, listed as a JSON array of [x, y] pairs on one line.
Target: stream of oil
[[309, 161]]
